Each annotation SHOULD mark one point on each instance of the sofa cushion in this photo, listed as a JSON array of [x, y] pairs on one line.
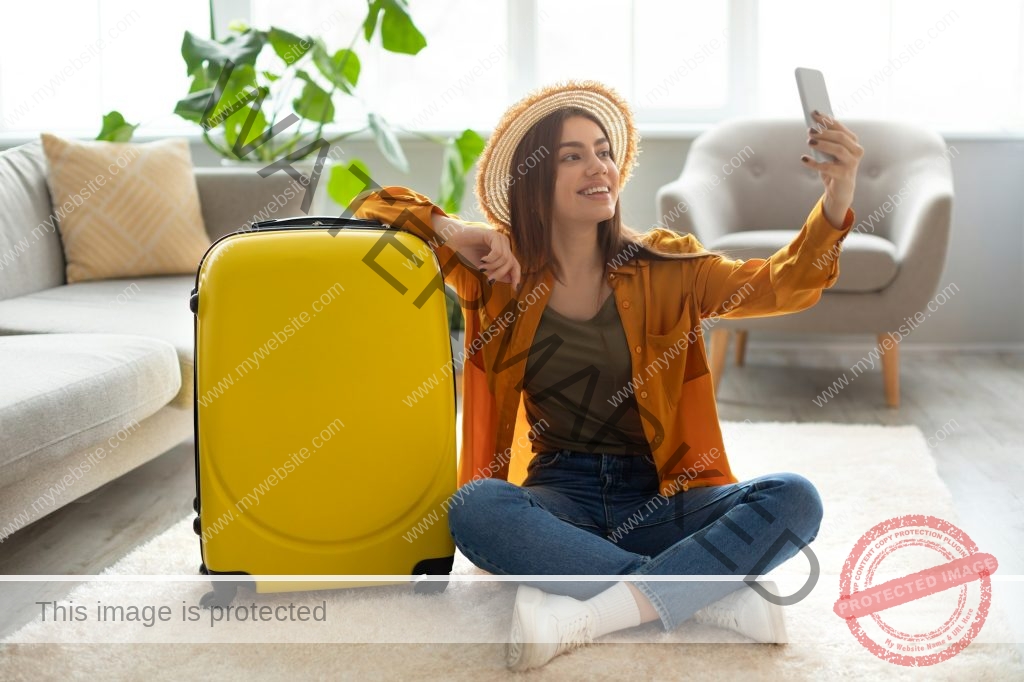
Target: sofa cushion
[[867, 262], [65, 392], [30, 251], [130, 209], [148, 306]]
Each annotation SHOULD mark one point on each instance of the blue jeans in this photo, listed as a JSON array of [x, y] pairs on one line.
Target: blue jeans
[[582, 513]]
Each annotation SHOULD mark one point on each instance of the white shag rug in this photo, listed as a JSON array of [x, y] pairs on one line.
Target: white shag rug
[[865, 474]]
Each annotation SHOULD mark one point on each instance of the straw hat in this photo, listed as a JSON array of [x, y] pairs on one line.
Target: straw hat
[[494, 171]]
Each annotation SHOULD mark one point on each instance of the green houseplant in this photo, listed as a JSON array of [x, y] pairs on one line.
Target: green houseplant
[[299, 79]]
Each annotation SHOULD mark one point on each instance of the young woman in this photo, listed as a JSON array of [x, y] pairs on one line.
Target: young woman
[[593, 331]]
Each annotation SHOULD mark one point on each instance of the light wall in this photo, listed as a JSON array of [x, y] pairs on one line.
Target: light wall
[[985, 260]]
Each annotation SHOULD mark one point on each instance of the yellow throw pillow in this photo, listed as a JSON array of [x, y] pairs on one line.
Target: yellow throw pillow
[[125, 209]]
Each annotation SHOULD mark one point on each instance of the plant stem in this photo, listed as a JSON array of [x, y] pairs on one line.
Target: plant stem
[[284, 97], [320, 128], [226, 153], [341, 66], [290, 146]]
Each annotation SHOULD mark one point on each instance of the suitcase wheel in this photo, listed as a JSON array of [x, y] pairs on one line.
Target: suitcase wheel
[[430, 586], [223, 594], [436, 566]]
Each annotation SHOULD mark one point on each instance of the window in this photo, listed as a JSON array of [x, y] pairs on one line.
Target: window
[[948, 64], [459, 80], [63, 64], [669, 59]]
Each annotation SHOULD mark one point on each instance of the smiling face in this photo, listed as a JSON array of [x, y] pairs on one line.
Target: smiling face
[[586, 176]]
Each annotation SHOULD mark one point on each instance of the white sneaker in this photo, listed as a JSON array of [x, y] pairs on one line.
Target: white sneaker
[[544, 626], [748, 613]]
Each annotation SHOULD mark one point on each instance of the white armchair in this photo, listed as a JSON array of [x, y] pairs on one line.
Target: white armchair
[[889, 265]]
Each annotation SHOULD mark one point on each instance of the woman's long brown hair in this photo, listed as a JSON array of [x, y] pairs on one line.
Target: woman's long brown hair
[[531, 201]]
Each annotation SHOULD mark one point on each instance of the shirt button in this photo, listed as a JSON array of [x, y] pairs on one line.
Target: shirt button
[[657, 439], [625, 304], [611, 275], [643, 394], [639, 348]]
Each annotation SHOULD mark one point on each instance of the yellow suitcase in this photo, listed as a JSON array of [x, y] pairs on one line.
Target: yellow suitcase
[[318, 451]]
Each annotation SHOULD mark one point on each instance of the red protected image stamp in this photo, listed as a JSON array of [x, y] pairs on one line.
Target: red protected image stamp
[[915, 618]]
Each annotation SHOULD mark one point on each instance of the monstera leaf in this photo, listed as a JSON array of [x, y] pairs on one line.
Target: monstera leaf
[[300, 84], [115, 129]]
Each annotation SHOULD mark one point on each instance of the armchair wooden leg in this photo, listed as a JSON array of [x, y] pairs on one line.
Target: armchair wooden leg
[[890, 369], [719, 347], [741, 347]]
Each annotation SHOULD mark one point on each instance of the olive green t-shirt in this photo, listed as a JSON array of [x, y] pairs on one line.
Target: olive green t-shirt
[[593, 357]]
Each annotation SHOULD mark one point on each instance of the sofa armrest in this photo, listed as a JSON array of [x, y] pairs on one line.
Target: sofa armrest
[[233, 198], [924, 215], [921, 231]]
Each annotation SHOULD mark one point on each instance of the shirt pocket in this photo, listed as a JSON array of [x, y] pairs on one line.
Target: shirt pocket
[[677, 332], [676, 355]]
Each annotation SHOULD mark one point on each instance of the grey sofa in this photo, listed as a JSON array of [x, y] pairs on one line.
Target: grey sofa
[[95, 377], [890, 265]]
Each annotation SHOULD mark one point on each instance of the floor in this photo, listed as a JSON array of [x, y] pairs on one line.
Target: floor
[[966, 404]]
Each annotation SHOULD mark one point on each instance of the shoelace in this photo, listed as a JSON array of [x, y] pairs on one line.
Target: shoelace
[[721, 616], [576, 633]]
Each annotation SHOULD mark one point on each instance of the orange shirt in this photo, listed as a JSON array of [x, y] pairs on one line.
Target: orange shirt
[[661, 305]]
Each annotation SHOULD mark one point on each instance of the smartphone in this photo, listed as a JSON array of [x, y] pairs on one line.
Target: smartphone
[[814, 95]]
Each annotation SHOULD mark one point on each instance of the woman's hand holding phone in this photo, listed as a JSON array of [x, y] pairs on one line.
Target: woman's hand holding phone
[[839, 176]]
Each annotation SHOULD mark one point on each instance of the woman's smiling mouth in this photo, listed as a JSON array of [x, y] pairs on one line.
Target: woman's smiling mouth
[[596, 193]]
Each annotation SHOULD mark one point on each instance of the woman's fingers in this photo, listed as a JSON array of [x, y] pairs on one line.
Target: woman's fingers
[[489, 260], [835, 131], [846, 156], [500, 264], [833, 138], [833, 124], [840, 151], [500, 273]]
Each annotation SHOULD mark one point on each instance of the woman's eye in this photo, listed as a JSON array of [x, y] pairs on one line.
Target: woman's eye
[[571, 157]]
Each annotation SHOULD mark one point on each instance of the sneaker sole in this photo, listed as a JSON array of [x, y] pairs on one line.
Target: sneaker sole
[[520, 654], [776, 617]]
